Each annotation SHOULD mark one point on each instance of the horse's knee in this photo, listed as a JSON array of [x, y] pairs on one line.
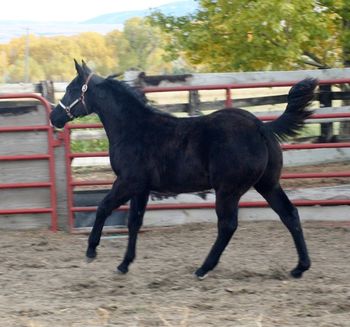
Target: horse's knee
[[231, 228], [134, 225], [102, 212], [228, 227]]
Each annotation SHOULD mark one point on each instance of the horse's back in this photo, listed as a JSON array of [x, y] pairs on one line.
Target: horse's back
[[238, 152], [224, 149], [258, 149]]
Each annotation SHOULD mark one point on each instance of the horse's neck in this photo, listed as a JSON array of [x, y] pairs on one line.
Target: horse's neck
[[111, 132], [118, 126]]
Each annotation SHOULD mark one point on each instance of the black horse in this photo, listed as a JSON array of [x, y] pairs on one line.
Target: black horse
[[229, 151]]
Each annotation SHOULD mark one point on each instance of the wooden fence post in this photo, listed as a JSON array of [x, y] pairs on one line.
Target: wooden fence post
[[61, 183], [193, 108], [325, 99], [344, 128], [46, 88]]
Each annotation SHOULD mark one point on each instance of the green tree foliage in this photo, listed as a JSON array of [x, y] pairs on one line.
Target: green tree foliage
[[142, 39], [138, 46], [341, 8], [226, 35]]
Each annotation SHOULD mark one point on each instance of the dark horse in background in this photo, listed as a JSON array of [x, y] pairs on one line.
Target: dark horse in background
[[229, 151]]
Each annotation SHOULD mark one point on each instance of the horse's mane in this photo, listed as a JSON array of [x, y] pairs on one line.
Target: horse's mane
[[121, 86], [134, 92]]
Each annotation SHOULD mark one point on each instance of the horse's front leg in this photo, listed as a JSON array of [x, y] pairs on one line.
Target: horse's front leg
[[137, 210], [118, 195]]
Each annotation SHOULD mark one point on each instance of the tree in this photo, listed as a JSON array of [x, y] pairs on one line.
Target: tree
[[138, 46], [121, 52], [3, 66], [16, 71], [94, 49], [226, 35], [55, 56], [49, 58], [143, 40]]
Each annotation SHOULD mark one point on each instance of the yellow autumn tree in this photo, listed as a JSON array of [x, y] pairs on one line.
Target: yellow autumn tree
[[95, 50]]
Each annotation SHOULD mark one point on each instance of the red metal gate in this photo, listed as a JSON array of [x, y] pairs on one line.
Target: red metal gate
[[71, 183], [49, 155]]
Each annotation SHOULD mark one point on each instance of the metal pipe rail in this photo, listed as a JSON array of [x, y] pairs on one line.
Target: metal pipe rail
[[51, 185], [229, 87], [228, 103]]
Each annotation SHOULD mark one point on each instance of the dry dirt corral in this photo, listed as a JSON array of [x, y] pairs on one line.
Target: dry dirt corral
[[45, 281]]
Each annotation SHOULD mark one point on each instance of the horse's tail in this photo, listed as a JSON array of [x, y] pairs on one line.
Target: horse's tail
[[293, 118]]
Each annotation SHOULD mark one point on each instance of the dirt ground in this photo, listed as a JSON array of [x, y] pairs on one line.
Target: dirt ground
[[45, 281]]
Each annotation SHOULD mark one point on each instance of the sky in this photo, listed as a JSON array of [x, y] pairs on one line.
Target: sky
[[70, 10]]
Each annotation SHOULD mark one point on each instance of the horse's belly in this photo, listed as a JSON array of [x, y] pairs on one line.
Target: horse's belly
[[182, 182]]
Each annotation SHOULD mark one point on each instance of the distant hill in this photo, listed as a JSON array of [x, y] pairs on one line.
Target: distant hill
[[10, 30], [178, 8], [101, 24]]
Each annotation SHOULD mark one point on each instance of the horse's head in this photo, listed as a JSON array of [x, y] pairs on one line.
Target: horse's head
[[72, 104]]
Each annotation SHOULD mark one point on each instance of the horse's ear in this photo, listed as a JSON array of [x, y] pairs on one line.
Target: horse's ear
[[79, 69], [86, 69]]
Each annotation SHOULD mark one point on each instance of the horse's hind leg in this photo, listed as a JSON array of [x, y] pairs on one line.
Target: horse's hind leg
[[288, 213], [226, 210], [137, 210]]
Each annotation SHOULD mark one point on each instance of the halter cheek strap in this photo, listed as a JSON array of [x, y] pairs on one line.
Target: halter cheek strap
[[81, 99]]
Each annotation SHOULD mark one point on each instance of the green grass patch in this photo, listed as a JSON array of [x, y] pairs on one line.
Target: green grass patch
[[95, 145], [89, 145], [90, 119]]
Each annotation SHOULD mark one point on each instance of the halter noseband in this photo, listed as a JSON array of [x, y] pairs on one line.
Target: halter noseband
[[81, 99]]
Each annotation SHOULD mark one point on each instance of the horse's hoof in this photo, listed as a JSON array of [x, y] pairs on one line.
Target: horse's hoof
[[200, 274], [90, 255], [201, 277], [122, 270], [297, 273], [89, 260]]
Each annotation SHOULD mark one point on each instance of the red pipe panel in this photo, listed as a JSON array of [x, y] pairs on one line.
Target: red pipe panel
[[49, 156]]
